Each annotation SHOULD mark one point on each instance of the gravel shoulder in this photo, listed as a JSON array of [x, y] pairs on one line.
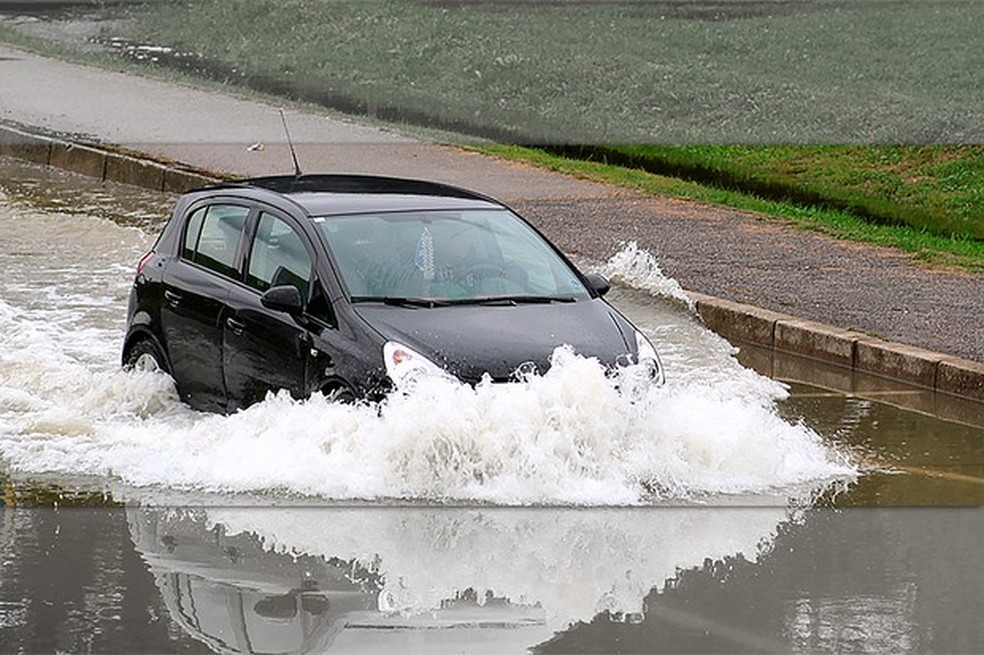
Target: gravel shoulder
[[762, 262]]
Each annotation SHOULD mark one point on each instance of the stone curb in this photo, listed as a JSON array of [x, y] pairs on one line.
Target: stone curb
[[99, 161], [732, 320], [847, 348]]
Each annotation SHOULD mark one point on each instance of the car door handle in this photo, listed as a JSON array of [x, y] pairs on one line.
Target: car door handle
[[171, 297], [237, 327]]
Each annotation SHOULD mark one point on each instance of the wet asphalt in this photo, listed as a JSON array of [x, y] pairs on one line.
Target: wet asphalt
[[733, 255]]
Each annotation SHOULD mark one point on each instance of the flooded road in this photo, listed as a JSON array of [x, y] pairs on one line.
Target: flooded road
[[725, 512]]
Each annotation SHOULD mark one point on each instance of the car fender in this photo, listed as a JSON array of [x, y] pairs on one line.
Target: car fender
[[625, 327], [140, 328]]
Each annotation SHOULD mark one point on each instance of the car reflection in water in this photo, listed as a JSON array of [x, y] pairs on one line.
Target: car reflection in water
[[237, 596], [477, 580]]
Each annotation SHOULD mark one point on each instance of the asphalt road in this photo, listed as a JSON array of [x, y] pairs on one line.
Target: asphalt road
[[708, 249]]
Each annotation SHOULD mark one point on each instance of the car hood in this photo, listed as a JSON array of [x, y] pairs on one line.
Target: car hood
[[470, 340]]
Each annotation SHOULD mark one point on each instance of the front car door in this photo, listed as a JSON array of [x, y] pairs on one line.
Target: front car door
[[267, 350], [196, 287]]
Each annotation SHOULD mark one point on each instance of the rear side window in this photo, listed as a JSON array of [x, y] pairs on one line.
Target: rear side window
[[212, 237], [278, 257], [192, 231]]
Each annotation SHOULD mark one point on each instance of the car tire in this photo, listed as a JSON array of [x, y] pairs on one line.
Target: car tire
[[144, 355], [340, 394]]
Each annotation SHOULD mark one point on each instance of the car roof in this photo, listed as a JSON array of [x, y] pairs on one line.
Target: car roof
[[325, 195]]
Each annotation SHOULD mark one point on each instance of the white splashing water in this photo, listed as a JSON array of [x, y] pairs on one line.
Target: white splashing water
[[566, 437], [637, 268]]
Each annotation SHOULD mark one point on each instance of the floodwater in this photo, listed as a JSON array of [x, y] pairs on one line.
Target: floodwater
[[756, 503]]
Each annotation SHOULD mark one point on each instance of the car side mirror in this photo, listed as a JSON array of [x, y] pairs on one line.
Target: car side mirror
[[284, 298], [597, 283]]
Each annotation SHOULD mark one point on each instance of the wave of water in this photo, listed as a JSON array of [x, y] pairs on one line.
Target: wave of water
[[566, 437], [635, 267]]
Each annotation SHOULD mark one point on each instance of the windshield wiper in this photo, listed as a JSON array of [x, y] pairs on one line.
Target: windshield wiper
[[403, 302], [506, 301], [514, 300]]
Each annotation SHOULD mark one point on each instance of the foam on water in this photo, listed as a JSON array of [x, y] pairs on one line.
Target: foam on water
[[564, 437], [567, 436]]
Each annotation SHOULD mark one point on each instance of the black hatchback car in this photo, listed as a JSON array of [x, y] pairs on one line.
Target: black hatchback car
[[353, 285]]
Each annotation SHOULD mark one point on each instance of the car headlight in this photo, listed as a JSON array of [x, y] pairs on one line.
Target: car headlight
[[649, 358], [405, 365]]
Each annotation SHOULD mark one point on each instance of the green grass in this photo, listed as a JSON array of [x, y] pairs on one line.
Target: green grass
[[825, 71], [939, 189], [932, 250]]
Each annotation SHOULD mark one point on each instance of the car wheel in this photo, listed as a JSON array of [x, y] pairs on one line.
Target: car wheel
[[144, 355], [340, 394]]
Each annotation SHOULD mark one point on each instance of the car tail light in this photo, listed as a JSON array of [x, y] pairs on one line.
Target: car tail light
[[143, 263]]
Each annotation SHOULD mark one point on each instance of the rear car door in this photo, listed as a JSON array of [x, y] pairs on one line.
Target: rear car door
[[268, 350], [196, 287]]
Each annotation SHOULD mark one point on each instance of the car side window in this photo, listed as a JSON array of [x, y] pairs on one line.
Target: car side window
[[319, 306], [212, 237], [192, 231], [278, 257]]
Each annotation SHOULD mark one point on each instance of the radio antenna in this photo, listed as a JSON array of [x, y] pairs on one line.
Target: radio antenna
[[290, 144]]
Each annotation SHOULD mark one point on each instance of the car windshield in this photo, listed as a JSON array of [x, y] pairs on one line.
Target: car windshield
[[456, 256]]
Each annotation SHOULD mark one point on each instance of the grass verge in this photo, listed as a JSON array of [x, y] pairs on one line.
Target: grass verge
[[931, 250], [815, 71], [936, 188]]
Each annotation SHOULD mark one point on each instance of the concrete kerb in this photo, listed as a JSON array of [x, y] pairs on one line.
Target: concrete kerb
[[845, 348], [105, 163], [961, 377], [78, 159], [21, 145], [732, 320]]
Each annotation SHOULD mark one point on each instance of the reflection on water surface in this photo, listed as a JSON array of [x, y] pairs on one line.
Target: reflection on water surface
[[426, 580]]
